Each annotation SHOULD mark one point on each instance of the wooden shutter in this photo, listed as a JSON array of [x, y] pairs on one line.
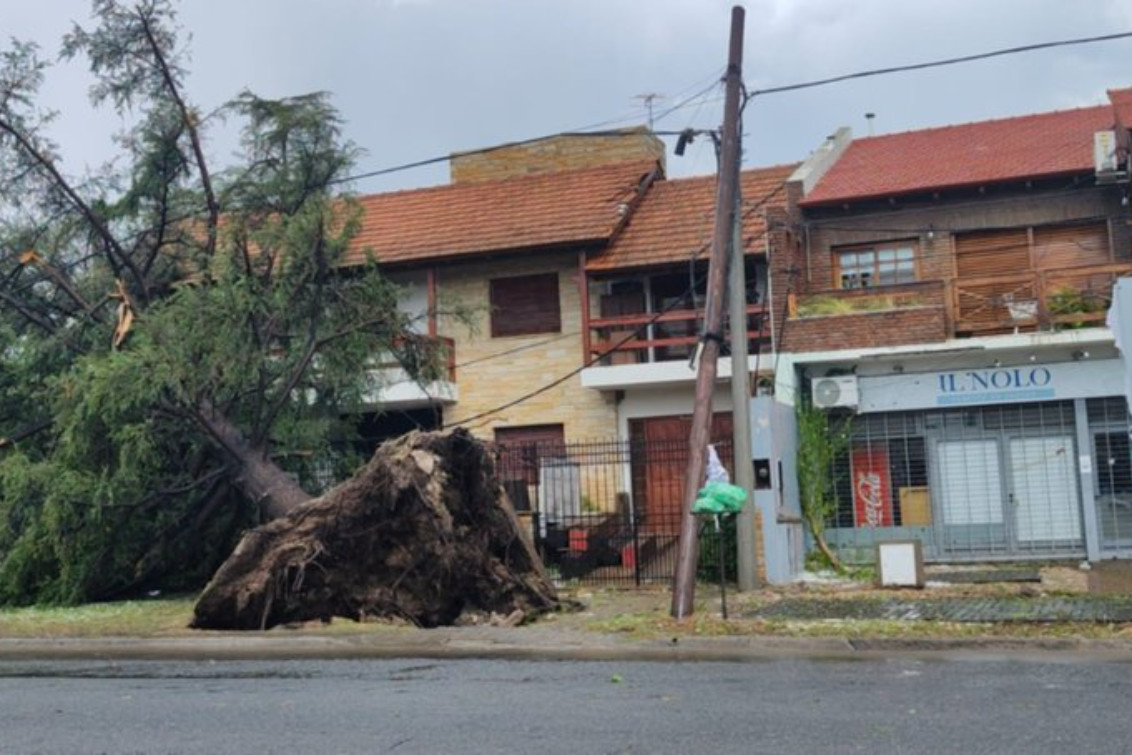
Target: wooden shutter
[[1063, 246], [525, 305], [990, 253], [520, 449]]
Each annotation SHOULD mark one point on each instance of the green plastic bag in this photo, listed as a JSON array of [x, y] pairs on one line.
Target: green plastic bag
[[719, 498]]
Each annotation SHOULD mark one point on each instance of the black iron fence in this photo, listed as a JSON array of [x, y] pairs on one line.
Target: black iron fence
[[605, 512]]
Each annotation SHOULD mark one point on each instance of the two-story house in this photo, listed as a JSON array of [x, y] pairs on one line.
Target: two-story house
[[947, 289], [491, 266], [562, 283]]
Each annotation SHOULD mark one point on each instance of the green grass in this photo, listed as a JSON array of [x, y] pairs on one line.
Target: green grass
[[131, 618]]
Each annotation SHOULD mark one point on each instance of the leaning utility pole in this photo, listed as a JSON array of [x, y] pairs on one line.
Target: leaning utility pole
[[684, 580]]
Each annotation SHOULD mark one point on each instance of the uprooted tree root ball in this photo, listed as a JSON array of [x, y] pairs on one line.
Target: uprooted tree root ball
[[423, 532]]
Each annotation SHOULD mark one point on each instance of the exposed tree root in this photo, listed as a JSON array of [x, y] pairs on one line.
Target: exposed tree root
[[422, 532]]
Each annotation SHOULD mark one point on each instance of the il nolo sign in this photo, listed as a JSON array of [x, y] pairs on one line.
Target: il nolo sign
[[966, 386], [995, 385]]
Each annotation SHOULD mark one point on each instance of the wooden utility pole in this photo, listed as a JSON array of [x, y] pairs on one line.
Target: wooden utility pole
[[684, 580]]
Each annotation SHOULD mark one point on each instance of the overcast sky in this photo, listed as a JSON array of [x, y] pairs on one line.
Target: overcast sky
[[416, 79]]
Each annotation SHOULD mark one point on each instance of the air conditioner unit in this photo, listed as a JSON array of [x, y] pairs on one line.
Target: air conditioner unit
[[1106, 159], [831, 392]]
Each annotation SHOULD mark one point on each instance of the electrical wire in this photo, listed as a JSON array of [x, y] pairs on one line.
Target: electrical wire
[[595, 359], [936, 63], [515, 350]]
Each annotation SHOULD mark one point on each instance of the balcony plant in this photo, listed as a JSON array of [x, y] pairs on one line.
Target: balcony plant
[[826, 305], [1067, 300]]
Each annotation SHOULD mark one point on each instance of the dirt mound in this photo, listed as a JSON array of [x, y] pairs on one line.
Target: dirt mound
[[423, 532]]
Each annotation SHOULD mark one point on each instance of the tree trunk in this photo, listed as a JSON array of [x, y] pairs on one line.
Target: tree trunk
[[423, 532], [259, 478]]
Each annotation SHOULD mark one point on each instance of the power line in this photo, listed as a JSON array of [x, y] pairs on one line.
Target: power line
[[595, 359], [507, 352], [937, 63], [487, 150]]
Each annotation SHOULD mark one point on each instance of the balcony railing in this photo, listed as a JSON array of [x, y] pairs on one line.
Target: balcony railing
[[1033, 300], [429, 357], [855, 301], [644, 337]]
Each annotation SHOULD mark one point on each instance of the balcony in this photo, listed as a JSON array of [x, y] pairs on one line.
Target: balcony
[[672, 336], [865, 317], [418, 371], [1072, 297], [852, 301]]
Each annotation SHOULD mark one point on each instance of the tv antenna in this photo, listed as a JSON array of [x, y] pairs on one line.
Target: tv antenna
[[648, 99]]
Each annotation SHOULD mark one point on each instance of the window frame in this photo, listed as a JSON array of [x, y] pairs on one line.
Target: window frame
[[876, 248], [506, 323]]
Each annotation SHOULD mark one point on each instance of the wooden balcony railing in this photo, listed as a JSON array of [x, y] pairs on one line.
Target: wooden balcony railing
[[1035, 299], [644, 337]]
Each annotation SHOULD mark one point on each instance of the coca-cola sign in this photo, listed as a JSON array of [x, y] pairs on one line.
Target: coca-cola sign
[[872, 487]]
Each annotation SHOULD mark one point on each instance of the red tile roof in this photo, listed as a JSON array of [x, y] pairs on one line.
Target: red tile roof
[[676, 217], [569, 207], [1121, 100], [1029, 146]]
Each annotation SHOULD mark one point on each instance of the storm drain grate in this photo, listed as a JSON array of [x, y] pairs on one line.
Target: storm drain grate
[[1086, 609]]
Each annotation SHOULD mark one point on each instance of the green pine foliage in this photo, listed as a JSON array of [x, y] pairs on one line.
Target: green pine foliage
[[157, 289]]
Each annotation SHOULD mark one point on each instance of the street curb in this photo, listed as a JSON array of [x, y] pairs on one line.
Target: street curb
[[515, 645]]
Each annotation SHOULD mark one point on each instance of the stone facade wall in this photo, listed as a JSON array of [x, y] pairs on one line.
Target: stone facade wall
[[531, 361], [554, 154]]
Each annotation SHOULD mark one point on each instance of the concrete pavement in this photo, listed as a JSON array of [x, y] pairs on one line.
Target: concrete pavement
[[536, 643]]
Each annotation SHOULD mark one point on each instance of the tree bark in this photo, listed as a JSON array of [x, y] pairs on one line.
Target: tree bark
[[259, 478]]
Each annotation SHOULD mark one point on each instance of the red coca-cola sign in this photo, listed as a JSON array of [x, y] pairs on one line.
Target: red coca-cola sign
[[872, 487]]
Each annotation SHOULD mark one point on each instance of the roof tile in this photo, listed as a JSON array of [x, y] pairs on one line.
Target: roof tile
[[509, 215], [1029, 146], [674, 222]]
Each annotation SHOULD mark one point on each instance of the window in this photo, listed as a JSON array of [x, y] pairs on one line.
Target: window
[[525, 305], [876, 265], [522, 448]]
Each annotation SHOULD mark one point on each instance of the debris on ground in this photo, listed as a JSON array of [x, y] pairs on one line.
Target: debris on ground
[[423, 532]]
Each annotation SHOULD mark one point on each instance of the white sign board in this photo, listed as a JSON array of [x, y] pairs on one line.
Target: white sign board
[[992, 385]]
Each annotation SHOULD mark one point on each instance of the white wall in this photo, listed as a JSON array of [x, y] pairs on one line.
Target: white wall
[[663, 402], [414, 297]]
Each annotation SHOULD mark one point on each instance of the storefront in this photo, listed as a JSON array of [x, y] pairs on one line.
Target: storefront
[[1007, 462]]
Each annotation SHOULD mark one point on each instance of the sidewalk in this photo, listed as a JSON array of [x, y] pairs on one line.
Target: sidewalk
[[966, 616]]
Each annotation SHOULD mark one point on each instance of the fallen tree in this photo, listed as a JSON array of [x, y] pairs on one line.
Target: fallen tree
[[182, 343], [423, 532]]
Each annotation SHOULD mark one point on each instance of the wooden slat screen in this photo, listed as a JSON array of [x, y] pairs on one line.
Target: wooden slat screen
[[521, 448], [1071, 246], [525, 305], [990, 253], [988, 306]]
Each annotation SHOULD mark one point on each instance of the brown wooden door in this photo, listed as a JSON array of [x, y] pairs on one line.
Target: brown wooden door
[[660, 460]]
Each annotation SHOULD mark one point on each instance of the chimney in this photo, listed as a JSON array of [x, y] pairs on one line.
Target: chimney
[[557, 153]]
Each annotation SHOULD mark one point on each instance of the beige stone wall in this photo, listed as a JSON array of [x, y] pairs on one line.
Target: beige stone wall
[[585, 414], [555, 154]]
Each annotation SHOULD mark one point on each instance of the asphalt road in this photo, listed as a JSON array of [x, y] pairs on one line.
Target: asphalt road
[[902, 705]]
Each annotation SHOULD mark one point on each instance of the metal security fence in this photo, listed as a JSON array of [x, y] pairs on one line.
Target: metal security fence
[[604, 512], [979, 483], [1112, 454]]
